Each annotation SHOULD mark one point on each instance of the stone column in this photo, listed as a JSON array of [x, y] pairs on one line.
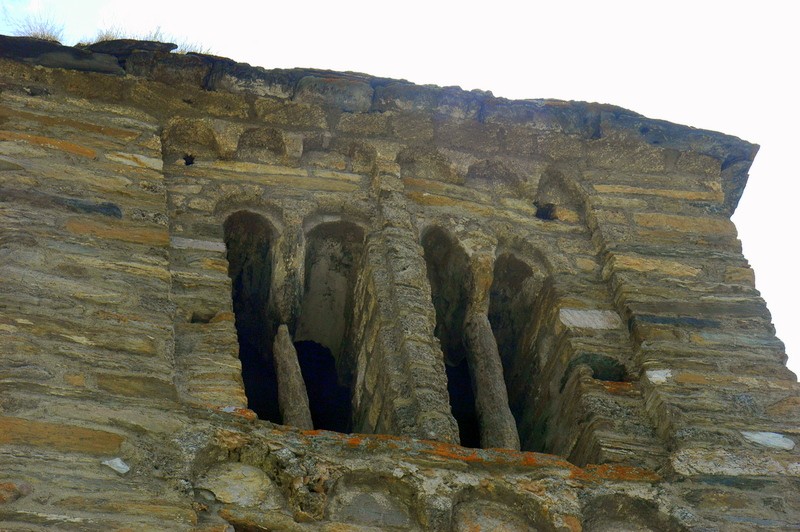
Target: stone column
[[292, 396], [288, 269], [401, 386], [285, 294], [497, 426]]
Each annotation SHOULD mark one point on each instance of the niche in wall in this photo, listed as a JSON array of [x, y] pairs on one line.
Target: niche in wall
[[333, 255], [513, 312], [510, 304], [248, 239], [448, 269]]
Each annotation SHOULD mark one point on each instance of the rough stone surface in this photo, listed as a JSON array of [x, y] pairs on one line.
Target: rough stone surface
[[292, 395], [175, 227]]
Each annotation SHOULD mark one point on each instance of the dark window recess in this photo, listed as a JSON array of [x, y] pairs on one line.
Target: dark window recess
[[462, 403], [447, 267], [248, 239], [546, 211], [512, 315], [333, 252], [603, 368], [188, 160], [329, 402]]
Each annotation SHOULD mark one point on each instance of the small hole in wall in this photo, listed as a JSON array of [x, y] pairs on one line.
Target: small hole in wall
[[546, 211], [188, 160], [199, 316], [603, 368]]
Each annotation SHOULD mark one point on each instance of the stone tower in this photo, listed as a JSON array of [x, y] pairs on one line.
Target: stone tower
[[241, 299]]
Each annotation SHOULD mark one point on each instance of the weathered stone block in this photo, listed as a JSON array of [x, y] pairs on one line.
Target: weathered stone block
[[583, 277], [57, 436]]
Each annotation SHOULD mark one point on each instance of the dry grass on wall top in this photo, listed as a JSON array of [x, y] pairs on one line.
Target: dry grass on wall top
[[39, 27], [45, 28]]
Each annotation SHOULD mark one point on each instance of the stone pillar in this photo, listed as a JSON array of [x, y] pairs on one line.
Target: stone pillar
[[497, 426], [292, 396], [288, 269], [401, 386]]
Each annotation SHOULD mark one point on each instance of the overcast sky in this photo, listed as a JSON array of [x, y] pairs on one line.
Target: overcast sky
[[726, 66]]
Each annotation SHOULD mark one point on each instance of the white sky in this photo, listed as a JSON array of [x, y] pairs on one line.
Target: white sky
[[729, 66]]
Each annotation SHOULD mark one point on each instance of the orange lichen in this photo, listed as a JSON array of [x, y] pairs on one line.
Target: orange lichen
[[125, 232], [109, 131], [61, 437], [57, 144], [618, 388], [11, 491], [238, 411], [453, 452], [354, 441], [230, 440], [599, 472], [573, 523]]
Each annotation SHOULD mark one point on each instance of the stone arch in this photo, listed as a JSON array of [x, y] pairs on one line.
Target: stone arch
[[520, 274], [373, 501], [428, 163], [498, 510], [447, 267], [495, 174], [262, 144], [514, 287], [332, 261], [358, 220], [187, 139], [558, 197], [623, 513], [253, 200], [249, 239]]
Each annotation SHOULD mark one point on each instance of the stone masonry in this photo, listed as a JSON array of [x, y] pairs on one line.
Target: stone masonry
[[245, 299]]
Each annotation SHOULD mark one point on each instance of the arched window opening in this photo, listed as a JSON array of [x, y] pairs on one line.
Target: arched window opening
[[447, 268], [333, 254], [248, 237], [511, 309], [511, 298], [328, 401]]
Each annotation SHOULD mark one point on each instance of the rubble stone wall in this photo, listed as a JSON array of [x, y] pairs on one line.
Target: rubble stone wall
[[556, 284]]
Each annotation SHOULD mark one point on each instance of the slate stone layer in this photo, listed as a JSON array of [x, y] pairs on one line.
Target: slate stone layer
[[571, 265]]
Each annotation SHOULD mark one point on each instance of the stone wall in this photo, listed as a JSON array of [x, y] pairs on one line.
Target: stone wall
[[190, 244]]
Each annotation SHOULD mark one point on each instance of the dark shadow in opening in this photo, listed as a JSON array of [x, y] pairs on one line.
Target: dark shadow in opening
[[513, 294], [329, 402], [603, 368], [247, 238], [332, 258], [447, 268], [462, 403], [545, 211], [511, 299]]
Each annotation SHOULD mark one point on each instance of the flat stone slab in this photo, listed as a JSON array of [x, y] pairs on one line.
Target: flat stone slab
[[769, 439], [126, 46], [590, 319], [192, 243]]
